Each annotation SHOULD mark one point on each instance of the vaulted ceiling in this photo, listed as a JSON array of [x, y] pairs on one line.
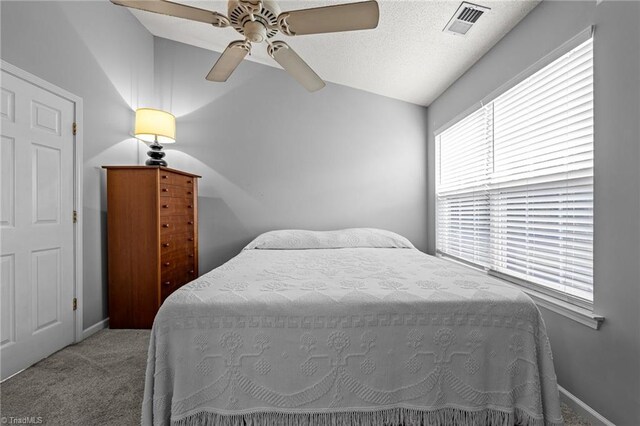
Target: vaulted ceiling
[[408, 57]]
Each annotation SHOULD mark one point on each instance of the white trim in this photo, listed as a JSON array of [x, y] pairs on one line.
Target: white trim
[[77, 179], [566, 309], [582, 409], [583, 315], [101, 325], [78, 207], [14, 375], [37, 81]]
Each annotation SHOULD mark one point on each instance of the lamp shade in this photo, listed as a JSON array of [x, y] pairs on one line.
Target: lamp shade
[[153, 123]]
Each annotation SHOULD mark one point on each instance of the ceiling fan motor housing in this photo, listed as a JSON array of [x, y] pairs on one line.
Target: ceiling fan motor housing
[[265, 21]]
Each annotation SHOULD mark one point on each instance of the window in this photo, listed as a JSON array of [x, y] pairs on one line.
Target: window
[[514, 187]]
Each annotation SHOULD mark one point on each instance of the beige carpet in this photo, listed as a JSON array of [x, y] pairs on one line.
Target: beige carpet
[[98, 382]]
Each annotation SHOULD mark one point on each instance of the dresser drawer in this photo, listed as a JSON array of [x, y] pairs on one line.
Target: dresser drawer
[[171, 243], [177, 179], [176, 225], [185, 247], [176, 191], [177, 277], [179, 266], [172, 280], [172, 206], [180, 249]]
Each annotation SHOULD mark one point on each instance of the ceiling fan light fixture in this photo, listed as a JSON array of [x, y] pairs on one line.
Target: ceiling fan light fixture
[[255, 31]]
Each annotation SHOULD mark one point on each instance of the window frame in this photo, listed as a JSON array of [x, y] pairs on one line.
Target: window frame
[[575, 307]]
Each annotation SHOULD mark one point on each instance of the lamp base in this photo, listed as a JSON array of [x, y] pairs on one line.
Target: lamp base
[[154, 162], [156, 155]]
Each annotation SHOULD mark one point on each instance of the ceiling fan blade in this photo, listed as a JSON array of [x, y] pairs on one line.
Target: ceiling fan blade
[[229, 60], [295, 66], [330, 19], [178, 10]]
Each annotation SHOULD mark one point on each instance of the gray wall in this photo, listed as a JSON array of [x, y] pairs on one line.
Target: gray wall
[[101, 53], [271, 155], [600, 367], [275, 156]]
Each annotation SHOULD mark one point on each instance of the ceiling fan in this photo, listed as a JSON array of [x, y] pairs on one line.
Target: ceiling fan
[[260, 20]]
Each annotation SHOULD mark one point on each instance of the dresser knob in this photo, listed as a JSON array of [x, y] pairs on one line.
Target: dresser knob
[[165, 177], [165, 190], [188, 181], [191, 239], [165, 244], [191, 272], [167, 283], [190, 255], [167, 263], [190, 206], [165, 225], [190, 222], [165, 206], [189, 192]]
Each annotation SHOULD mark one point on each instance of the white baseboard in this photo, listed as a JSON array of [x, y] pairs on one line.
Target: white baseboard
[[95, 328], [582, 409]]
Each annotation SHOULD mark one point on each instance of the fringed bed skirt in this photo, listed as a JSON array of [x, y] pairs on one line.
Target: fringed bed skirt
[[386, 417]]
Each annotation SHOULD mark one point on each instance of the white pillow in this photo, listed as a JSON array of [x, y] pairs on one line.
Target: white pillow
[[297, 239]]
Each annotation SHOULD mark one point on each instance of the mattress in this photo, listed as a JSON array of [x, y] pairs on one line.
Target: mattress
[[373, 333]]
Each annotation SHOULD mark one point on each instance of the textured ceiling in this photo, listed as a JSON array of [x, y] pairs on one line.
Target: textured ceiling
[[408, 57]]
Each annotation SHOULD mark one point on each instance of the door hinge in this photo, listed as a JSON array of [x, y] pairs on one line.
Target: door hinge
[[75, 304], [74, 128], [75, 216]]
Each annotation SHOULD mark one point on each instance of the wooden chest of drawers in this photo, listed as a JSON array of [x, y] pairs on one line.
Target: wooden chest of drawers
[[152, 226]]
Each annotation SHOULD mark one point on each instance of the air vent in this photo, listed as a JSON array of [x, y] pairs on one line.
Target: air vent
[[464, 18]]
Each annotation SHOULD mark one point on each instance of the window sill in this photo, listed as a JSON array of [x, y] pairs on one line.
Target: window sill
[[583, 315], [579, 314]]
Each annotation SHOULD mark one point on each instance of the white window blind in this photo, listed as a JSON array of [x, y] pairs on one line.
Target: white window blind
[[464, 154], [514, 188]]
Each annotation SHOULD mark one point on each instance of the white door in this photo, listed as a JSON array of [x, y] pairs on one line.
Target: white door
[[36, 223]]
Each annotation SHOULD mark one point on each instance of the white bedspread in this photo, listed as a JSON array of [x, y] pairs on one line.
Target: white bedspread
[[354, 336]]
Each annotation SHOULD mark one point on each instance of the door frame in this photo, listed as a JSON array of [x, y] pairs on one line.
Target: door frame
[[77, 182]]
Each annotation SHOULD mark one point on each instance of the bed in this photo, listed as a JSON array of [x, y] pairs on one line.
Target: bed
[[352, 327]]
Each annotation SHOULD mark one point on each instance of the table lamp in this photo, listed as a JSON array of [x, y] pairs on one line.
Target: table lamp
[[155, 126]]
